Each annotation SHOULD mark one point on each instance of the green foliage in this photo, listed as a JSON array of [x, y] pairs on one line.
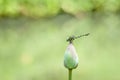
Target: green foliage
[[9, 8], [40, 8], [112, 5], [46, 8]]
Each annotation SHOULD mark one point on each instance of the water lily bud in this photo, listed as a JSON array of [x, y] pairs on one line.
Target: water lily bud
[[70, 57]]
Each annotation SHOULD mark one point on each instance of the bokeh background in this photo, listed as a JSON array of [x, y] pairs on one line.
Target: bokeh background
[[33, 39]]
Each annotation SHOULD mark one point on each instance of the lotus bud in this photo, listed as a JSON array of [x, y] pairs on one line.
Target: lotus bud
[[70, 57]]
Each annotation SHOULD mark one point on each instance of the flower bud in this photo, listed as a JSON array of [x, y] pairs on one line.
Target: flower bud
[[70, 57]]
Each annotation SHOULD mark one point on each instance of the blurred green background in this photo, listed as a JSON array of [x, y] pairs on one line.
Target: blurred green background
[[47, 8], [33, 39]]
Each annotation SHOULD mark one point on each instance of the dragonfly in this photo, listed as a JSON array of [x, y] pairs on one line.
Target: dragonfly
[[71, 38]]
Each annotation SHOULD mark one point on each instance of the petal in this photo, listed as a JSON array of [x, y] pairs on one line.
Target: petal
[[70, 57]]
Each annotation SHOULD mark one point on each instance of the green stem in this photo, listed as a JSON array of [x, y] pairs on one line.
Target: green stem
[[70, 74]]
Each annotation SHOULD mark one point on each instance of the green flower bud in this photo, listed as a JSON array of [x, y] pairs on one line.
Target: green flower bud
[[70, 57]]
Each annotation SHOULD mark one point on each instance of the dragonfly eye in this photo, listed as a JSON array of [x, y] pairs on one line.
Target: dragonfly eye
[[70, 39]]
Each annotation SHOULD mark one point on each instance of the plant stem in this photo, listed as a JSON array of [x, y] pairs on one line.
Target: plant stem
[[70, 74]]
